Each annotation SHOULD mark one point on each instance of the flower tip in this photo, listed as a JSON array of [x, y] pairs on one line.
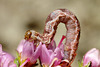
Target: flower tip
[[28, 59], [63, 36]]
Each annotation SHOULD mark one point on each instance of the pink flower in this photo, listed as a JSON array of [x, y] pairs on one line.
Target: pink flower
[[54, 56], [28, 52], [6, 60], [48, 55], [92, 56]]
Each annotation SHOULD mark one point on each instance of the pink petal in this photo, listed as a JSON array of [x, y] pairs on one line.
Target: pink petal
[[45, 56], [37, 52], [25, 62], [6, 60], [20, 46], [28, 50], [0, 48], [52, 45], [94, 56], [63, 37]]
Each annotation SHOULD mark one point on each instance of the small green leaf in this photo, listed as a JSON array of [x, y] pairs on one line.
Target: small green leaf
[[80, 64], [88, 64], [18, 57], [16, 62]]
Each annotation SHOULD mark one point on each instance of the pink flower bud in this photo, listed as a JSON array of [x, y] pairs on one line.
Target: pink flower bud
[[92, 56], [26, 50], [6, 60]]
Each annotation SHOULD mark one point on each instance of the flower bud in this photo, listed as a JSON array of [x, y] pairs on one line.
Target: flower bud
[[27, 50], [6, 60], [92, 56]]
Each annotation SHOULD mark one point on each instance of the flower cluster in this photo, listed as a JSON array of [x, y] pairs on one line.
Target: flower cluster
[[28, 53], [48, 55]]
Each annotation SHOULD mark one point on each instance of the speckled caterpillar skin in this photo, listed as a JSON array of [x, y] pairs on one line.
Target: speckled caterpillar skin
[[72, 34]]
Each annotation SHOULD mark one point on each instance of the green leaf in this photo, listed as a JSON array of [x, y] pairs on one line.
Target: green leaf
[[88, 64], [80, 64], [16, 62], [18, 57]]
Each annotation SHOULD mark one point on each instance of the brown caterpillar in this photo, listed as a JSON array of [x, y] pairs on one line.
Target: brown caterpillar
[[72, 34]]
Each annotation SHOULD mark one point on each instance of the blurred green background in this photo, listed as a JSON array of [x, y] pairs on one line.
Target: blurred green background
[[18, 16]]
